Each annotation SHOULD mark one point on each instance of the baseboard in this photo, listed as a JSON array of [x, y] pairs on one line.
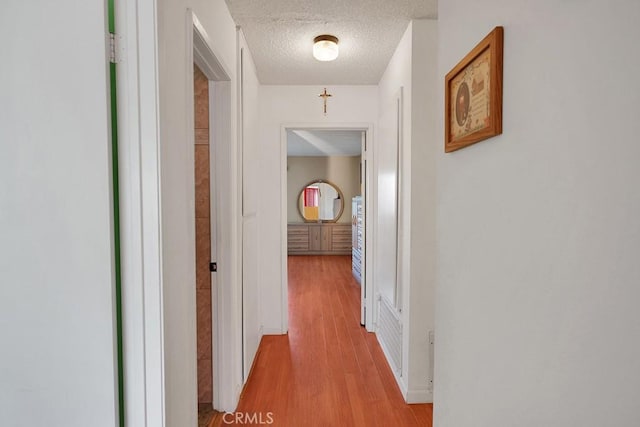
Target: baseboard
[[237, 395], [397, 374], [273, 331], [418, 396], [410, 396]]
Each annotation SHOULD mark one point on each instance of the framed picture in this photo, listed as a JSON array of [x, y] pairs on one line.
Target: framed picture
[[473, 95]]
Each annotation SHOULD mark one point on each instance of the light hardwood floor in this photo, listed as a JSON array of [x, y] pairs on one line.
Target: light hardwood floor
[[328, 371]]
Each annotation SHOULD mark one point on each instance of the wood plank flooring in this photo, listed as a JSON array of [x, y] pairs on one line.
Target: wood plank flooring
[[207, 416], [328, 371]]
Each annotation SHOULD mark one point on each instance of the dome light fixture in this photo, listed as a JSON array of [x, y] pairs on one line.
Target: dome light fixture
[[325, 47]]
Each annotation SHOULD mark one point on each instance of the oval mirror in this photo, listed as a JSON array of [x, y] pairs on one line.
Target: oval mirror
[[321, 201]]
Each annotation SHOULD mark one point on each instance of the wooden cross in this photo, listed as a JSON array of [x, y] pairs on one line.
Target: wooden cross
[[325, 95]]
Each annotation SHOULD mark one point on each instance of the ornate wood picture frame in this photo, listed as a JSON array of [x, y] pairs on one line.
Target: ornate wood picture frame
[[473, 95]]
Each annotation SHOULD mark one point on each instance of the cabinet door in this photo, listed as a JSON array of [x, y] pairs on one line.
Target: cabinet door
[[325, 235], [315, 238]]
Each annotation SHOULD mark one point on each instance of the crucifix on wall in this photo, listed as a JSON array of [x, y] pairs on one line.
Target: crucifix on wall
[[324, 95]]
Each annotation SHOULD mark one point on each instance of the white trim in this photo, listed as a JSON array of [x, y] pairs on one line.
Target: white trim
[[271, 331], [418, 396], [397, 373], [140, 213], [364, 165], [204, 54], [208, 53], [227, 357], [410, 396], [241, 208], [370, 220], [189, 189], [214, 200], [284, 275], [400, 238], [370, 186]]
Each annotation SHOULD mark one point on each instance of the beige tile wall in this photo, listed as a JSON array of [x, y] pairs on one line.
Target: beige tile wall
[[203, 236]]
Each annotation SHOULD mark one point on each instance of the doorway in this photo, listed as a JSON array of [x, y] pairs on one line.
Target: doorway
[[203, 247], [327, 160], [155, 361], [211, 157]]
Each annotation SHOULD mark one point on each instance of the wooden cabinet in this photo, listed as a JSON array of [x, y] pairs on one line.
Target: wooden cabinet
[[319, 239], [341, 238], [298, 238], [314, 238]]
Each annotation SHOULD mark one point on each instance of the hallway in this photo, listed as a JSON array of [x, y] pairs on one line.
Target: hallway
[[328, 371]]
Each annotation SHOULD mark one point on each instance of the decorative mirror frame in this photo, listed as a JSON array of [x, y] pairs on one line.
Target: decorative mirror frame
[[321, 181]]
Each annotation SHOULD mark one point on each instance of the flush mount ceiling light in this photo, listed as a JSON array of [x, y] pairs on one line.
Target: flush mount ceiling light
[[325, 47]]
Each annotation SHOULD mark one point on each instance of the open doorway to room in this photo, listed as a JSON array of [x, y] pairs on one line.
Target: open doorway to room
[[326, 369], [326, 187], [210, 161], [203, 221]]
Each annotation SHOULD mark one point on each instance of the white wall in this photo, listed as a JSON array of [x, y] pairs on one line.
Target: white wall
[[178, 241], [412, 68], [538, 232], [280, 105], [396, 77], [250, 204], [419, 299], [56, 270]]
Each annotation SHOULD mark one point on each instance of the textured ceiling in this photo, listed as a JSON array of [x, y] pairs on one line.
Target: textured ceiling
[[280, 36], [324, 143]]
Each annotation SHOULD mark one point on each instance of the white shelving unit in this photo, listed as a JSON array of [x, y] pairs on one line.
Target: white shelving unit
[[357, 237]]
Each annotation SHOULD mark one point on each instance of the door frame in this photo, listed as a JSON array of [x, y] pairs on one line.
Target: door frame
[[141, 215], [226, 331], [140, 212], [370, 186]]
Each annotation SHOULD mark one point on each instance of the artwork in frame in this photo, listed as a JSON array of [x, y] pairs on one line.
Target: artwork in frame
[[473, 95]]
